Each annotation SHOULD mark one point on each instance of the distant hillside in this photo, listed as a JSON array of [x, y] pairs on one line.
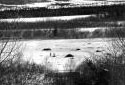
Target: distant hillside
[[17, 2], [110, 11]]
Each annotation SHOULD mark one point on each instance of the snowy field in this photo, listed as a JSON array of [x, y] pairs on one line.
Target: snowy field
[[44, 19], [52, 53], [62, 55]]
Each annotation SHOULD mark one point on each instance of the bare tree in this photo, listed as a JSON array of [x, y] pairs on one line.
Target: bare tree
[[117, 46], [9, 44]]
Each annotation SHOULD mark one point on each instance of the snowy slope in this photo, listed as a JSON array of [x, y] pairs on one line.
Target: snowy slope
[[60, 4]]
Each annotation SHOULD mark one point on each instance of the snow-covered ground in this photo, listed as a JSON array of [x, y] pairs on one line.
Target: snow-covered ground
[[39, 19], [83, 2], [53, 4], [52, 53], [55, 59]]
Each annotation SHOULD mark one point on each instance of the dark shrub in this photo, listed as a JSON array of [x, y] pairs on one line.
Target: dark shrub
[[37, 34], [27, 34], [69, 55], [97, 33], [8, 34], [17, 34], [1, 34], [47, 49]]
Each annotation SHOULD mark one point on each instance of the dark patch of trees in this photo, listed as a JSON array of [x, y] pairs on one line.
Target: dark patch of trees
[[114, 11], [62, 0], [18, 2]]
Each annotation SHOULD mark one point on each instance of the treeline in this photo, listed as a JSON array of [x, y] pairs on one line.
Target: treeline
[[114, 11], [60, 24], [62, 33], [15, 2]]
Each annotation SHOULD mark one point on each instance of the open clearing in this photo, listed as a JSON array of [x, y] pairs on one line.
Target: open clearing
[[52, 53], [63, 54]]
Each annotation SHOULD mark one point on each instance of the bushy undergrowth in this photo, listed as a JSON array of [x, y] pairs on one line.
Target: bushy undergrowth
[[21, 74], [107, 71]]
